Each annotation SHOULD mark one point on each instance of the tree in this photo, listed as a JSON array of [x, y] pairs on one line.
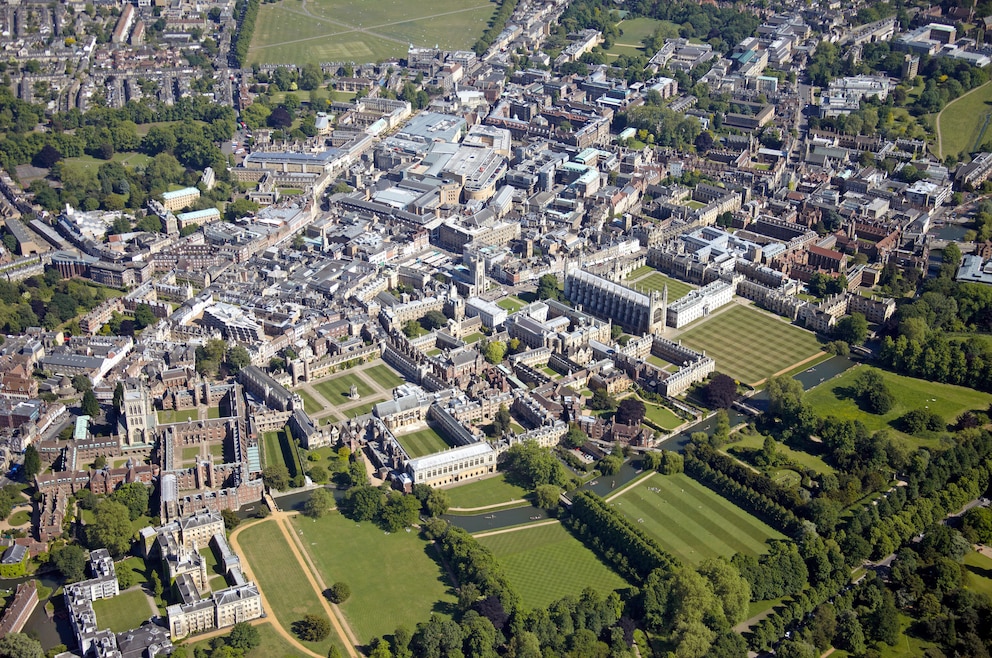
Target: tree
[[339, 592], [244, 636], [70, 560], [19, 645], [311, 77], [111, 528], [46, 157], [133, 496], [319, 474], [495, 351], [601, 400], [231, 519], [363, 502], [119, 397], [239, 208], [32, 463], [721, 391], [547, 287], [312, 628], [630, 411], [399, 511], [852, 329], [276, 477], [575, 438], [280, 118], [546, 496], [90, 406], [501, 421], [237, 358], [433, 320], [318, 503], [143, 316], [437, 503]]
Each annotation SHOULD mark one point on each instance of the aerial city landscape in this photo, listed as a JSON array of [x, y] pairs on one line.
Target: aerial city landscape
[[495, 328]]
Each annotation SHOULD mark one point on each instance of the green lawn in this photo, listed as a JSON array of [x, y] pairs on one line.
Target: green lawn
[[544, 564], [833, 398], [633, 32], [661, 416], [279, 575], [756, 441], [310, 404], [691, 521], [962, 121], [280, 449], [177, 415], [217, 450], [213, 412], [750, 345], [422, 442], [510, 304], [472, 338], [20, 517], [384, 376], [84, 163], [480, 493], [271, 645], [337, 389], [122, 612], [380, 568], [363, 30], [193, 452], [362, 409], [657, 281], [979, 570]]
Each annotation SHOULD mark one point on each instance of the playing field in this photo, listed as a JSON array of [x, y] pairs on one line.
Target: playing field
[[964, 123], [380, 568], [383, 375], [123, 612], [297, 32], [690, 521], [834, 398], [422, 442], [546, 563], [281, 578], [337, 389], [482, 493], [750, 345]]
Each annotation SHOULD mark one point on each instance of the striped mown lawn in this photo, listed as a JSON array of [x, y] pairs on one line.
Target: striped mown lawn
[[690, 521], [384, 376], [656, 281], [310, 404], [546, 563], [337, 389], [750, 345], [491, 491], [422, 442]]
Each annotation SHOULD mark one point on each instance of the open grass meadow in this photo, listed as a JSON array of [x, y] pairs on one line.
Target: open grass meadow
[[979, 573], [834, 398], [750, 345], [85, 163], [383, 375], [422, 442], [281, 578], [271, 645], [297, 32], [656, 281], [546, 563], [964, 123], [755, 441], [482, 493], [123, 612], [633, 32], [395, 578], [336, 389], [691, 521]]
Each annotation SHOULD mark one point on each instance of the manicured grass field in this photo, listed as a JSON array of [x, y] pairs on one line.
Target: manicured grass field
[[472, 338], [177, 415], [422, 442], [657, 281], [123, 612], [281, 578], [510, 304], [336, 389], [20, 517], [85, 163], [271, 645], [310, 404], [217, 450], [963, 120], [491, 491], [756, 441], [690, 521], [384, 376], [630, 42], [279, 449], [191, 453], [833, 398], [362, 409], [213, 412], [380, 567], [363, 30], [979, 570], [661, 416], [546, 563], [750, 345]]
